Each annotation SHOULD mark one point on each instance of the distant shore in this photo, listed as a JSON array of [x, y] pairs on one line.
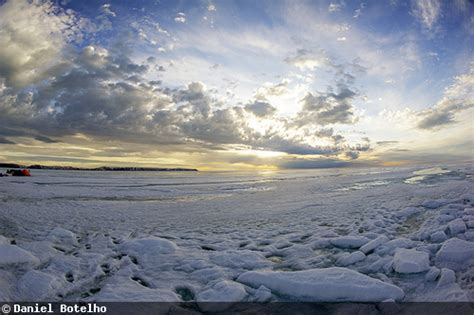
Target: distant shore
[[101, 168]]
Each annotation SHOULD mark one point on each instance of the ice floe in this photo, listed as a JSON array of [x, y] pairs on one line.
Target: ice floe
[[333, 284]]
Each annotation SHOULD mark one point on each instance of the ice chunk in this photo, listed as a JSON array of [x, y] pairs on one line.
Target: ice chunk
[[240, 259], [469, 211], [370, 246], [14, 255], [125, 289], [457, 226], [438, 237], [62, 236], [456, 254], [389, 247], [7, 281], [432, 274], [4, 240], [447, 277], [410, 261], [469, 236], [349, 241], [408, 212], [36, 286], [351, 259], [445, 218], [333, 284], [222, 291], [262, 294], [148, 249], [431, 204]]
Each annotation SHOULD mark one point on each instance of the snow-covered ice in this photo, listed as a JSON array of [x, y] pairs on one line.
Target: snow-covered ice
[[410, 261], [332, 284], [322, 235]]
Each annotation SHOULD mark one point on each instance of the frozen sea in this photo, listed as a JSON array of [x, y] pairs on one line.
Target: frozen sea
[[365, 235]]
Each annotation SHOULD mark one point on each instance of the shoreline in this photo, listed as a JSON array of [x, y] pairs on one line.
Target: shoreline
[[101, 168]]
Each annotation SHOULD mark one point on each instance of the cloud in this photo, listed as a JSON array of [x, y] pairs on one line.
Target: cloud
[[32, 45], [102, 94], [260, 109], [272, 90], [334, 7], [328, 108], [107, 10], [45, 139], [386, 142], [211, 8], [5, 141], [307, 59], [358, 12], [180, 17], [427, 12], [457, 98]]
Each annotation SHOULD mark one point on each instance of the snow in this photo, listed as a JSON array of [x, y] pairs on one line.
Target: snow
[[14, 255], [410, 261], [139, 236], [456, 254], [330, 285]]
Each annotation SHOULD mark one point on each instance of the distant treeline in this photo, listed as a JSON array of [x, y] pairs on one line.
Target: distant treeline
[[102, 168]]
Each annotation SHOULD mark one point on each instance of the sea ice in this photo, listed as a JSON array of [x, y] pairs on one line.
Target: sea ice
[[332, 284], [410, 261], [121, 288], [350, 259], [4, 240], [349, 241], [432, 274], [37, 286], [457, 226], [456, 254], [222, 291], [431, 204], [438, 237], [241, 259], [149, 250], [370, 246], [14, 255]]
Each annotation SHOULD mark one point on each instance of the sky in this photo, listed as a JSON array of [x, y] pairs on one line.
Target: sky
[[232, 85]]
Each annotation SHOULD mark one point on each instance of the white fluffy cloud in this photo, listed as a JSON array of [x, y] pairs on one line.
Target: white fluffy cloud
[[33, 38], [457, 98]]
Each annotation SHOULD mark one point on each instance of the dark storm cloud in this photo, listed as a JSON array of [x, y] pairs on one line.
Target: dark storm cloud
[[5, 141]]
